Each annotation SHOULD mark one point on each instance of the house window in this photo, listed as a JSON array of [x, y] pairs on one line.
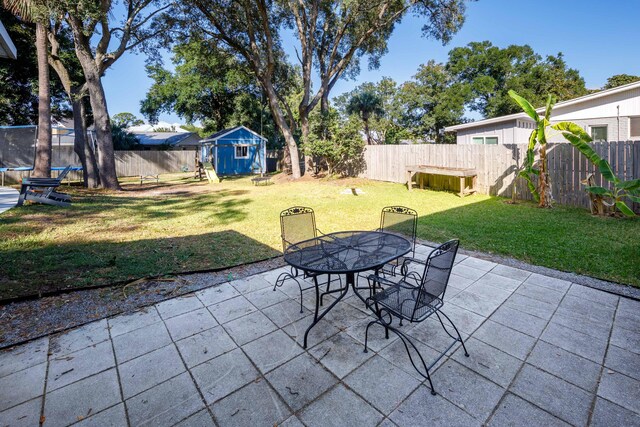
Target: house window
[[599, 133], [242, 152], [634, 128], [485, 140]]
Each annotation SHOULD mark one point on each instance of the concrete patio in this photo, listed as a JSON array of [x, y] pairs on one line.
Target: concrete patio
[[543, 352]]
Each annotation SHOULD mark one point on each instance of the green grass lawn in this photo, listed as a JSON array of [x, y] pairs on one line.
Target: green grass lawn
[[184, 225]]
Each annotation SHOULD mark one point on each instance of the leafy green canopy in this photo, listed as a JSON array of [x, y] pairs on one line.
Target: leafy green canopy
[[488, 72], [209, 85], [19, 78]]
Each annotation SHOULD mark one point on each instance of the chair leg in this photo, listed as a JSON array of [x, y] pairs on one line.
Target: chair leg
[[466, 353], [407, 342], [280, 281]]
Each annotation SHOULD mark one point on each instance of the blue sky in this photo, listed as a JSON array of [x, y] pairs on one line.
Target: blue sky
[[599, 38]]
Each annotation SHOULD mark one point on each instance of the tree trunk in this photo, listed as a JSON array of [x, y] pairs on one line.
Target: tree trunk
[[42, 164], [278, 115], [366, 131], [82, 145], [102, 124], [544, 187], [304, 127]]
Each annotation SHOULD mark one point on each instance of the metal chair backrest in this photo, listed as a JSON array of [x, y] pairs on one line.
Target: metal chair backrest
[[436, 274], [297, 223], [401, 220]]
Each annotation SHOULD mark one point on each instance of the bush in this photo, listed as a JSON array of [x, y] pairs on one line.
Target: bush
[[336, 144]]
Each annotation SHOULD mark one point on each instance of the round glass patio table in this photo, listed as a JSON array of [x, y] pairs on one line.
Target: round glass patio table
[[344, 252]]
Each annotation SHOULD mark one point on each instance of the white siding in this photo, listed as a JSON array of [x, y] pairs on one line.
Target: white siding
[[510, 132], [613, 110]]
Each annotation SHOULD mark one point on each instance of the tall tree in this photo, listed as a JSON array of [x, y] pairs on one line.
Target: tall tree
[[432, 100], [125, 120], [619, 80], [36, 11], [211, 85], [488, 72], [365, 104], [100, 40], [19, 78], [63, 60], [331, 34]]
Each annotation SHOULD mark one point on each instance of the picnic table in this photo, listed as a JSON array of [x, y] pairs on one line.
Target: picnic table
[[462, 173], [344, 252]]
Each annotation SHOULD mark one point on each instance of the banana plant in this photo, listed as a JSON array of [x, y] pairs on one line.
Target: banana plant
[[537, 138], [619, 190]]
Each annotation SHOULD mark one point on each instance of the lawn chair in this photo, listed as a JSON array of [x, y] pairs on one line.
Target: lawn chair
[[415, 298], [298, 223], [42, 192], [57, 180]]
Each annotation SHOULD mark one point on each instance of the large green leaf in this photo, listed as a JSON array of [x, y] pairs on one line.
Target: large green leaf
[[632, 184], [530, 185], [541, 136], [524, 104], [607, 173], [573, 129], [532, 141], [583, 147], [547, 111], [598, 190], [622, 206], [634, 198]]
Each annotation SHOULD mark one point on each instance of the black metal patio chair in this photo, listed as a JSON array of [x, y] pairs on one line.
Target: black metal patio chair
[[297, 224], [404, 221], [415, 298]]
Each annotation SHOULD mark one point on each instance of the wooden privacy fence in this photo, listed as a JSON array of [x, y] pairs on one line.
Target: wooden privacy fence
[[128, 163], [497, 166]]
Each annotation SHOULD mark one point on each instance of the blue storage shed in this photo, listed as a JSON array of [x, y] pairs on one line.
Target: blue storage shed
[[235, 151]]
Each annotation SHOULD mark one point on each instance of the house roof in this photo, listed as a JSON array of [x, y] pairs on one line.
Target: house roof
[[574, 101], [224, 132], [166, 138], [7, 48]]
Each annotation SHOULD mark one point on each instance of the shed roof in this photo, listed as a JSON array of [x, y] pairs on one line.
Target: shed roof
[[224, 132], [574, 101]]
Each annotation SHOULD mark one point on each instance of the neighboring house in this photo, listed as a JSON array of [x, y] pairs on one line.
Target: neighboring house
[[608, 115], [235, 151], [7, 48], [168, 140], [158, 127]]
